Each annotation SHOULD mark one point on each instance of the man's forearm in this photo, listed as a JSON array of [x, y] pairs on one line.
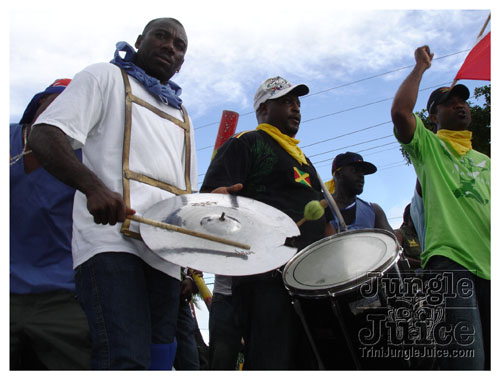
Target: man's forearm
[[407, 94], [404, 103], [54, 152]]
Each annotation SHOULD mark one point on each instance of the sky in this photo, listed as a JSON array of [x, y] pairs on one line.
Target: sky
[[352, 59]]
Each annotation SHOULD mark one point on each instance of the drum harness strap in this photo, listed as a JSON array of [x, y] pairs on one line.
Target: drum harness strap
[[128, 174]]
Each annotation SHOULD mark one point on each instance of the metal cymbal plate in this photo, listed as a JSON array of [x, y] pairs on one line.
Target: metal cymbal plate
[[244, 220]]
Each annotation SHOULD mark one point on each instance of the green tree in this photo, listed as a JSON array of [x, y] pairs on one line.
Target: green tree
[[480, 125]]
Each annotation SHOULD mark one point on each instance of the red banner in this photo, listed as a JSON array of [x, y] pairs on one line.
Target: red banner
[[227, 127], [477, 64]]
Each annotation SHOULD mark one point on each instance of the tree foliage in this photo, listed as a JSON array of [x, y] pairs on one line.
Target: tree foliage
[[480, 125]]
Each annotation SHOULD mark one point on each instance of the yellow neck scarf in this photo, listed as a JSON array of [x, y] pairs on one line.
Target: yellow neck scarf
[[459, 140], [330, 185], [286, 142]]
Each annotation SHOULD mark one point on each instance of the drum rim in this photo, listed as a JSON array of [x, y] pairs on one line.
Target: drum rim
[[348, 285]]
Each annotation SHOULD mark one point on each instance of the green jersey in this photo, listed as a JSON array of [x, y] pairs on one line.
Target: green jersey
[[456, 195]]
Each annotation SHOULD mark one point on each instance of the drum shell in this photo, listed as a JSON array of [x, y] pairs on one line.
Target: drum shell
[[311, 287], [351, 302]]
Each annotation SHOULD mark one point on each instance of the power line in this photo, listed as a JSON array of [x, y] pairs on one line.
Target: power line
[[366, 155], [345, 85], [346, 134], [382, 74], [397, 163], [351, 109], [357, 107], [395, 217], [392, 167], [384, 150], [350, 146], [363, 150]]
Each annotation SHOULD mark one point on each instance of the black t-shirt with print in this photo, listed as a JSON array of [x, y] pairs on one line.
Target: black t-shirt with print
[[269, 175]]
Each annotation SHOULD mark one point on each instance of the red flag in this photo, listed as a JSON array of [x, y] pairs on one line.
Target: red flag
[[477, 64]]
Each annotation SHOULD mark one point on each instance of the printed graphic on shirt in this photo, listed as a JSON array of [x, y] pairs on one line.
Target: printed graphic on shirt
[[413, 243], [468, 177], [468, 182], [265, 162], [301, 177]]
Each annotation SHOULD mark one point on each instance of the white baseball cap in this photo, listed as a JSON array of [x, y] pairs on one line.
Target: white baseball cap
[[274, 88]]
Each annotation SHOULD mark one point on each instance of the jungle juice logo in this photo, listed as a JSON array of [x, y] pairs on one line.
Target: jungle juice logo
[[414, 313]]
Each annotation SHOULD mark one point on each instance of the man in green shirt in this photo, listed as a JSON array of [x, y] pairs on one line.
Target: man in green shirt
[[455, 183]]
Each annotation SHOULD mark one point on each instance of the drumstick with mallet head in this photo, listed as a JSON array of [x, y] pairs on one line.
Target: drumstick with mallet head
[[313, 211]]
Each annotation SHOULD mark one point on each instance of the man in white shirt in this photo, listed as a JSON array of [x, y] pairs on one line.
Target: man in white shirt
[[138, 149]]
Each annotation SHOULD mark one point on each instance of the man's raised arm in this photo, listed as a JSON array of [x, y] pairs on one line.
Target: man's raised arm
[[406, 96]]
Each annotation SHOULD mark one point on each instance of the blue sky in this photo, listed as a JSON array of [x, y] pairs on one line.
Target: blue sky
[[233, 48]]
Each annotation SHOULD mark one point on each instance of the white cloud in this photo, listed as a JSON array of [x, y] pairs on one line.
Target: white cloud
[[231, 49]]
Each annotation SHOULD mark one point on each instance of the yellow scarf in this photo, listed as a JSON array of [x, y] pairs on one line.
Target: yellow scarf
[[330, 185], [459, 140], [286, 142]]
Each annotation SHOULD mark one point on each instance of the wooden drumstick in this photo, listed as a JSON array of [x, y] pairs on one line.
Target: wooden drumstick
[[201, 235]]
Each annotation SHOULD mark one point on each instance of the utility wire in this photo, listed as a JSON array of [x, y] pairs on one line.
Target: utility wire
[[357, 107], [392, 167], [366, 155], [350, 146], [346, 110], [383, 150], [359, 151], [345, 134], [345, 85]]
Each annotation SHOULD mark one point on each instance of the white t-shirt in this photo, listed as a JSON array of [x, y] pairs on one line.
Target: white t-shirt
[[91, 111]]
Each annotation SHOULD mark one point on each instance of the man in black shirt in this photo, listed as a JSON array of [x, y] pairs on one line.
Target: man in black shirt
[[267, 165]]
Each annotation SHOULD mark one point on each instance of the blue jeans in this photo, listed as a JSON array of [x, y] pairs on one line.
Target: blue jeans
[[129, 306], [225, 336], [463, 331], [187, 357]]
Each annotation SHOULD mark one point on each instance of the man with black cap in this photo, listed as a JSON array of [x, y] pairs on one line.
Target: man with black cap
[[266, 164], [48, 328], [455, 182], [349, 170]]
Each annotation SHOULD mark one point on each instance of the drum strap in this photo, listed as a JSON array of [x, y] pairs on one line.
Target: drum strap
[[128, 174]]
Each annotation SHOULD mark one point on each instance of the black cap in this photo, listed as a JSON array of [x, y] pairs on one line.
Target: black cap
[[441, 94], [350, 158]]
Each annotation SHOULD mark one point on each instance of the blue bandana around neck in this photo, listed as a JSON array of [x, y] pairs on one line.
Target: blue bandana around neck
[[167, 93]]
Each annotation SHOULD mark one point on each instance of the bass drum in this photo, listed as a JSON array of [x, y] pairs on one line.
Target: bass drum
[[336, 281]]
